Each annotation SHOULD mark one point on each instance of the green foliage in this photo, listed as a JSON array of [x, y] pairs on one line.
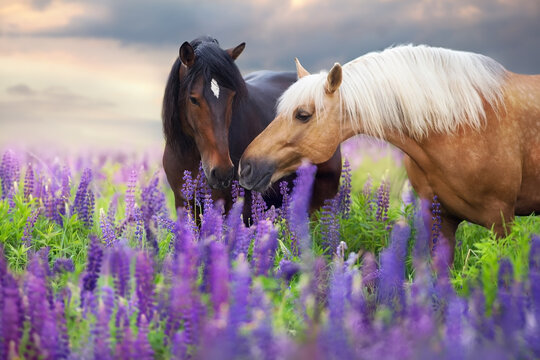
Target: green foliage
[[477, 253]]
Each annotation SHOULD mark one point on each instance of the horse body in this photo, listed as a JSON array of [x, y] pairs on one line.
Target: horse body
[[486, 176], [470, 130], [211, 114]]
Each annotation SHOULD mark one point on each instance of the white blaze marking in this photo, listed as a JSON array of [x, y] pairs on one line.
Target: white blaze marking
[[214, 87]]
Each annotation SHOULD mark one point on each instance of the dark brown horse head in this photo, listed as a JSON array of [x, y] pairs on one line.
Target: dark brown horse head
[[210, 86]]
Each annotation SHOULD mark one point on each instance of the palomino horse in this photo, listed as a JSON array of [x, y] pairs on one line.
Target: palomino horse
[[469, 128], [211, 113]]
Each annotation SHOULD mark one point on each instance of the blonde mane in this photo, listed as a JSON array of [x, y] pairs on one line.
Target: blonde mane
[[408, 89]]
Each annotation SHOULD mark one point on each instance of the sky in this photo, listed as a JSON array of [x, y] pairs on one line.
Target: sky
[[91, 73]]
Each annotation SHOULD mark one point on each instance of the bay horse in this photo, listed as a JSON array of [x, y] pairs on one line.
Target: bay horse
[[211, 113], [470, 129]]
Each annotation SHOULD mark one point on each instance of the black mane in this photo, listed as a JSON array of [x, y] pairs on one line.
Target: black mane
[[210, 62]]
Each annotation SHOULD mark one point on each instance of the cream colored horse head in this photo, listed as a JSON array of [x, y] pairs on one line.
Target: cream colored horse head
[[307, 126]]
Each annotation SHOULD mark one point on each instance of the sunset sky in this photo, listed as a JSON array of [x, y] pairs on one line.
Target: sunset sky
[[92, 73]]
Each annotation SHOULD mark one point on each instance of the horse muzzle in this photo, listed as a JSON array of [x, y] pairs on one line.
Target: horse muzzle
[[256, 175], [220, 178]]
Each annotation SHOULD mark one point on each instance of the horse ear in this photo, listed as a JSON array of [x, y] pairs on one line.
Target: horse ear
[[187, 54], [236, 51], [333, 80], [300, 69]]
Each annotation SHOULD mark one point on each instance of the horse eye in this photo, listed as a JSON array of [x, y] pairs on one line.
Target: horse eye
[[303, 116], [193, 100]]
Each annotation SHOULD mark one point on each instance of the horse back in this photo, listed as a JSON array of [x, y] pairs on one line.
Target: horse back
[[265, 87]]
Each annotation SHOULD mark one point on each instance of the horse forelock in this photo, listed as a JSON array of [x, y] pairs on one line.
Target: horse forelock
[[212, 62], [309, 90], [408, 89]]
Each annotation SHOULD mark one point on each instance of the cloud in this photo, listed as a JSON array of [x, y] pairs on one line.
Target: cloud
[[55, 97], [317, 31], [20, 89]]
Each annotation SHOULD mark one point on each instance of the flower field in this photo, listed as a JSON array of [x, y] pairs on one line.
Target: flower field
[[96, 264]]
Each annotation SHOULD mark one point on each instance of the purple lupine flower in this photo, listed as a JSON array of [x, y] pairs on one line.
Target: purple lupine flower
[[238, 311], [370, 272], [344, 194], [144, 274], [80, 204], [237, 191], [12, 315], [93, 268], [335, 338], [139, 224], [476, 315], [407, 195], [442, 263], [287, 269], [142, 346], [153, 205], [179, 299], [124, 347], [62, 264], [212, 222], [219, 276], [330, 224], [454, 329], [111, 212], [534, 275], [188, 190], [54, 207], [65, 179], [392, 273], [29, 227], [101, 334], [107, 229], [130, 195], [286, 201], [262, 334], [62, 346], [49, 337], [264, 247], [435, 220], [179, 348], [383, 201], [533, 336], [153, 199], [368, 188], [9, 172], [36, 291], [29, 181], [121, 321], [300, 198], [258, 207], [119, 265], [315, 289], [184, 234], [239, 296], [202, 192], [90, 212], [509, 316], [233, 223], [107, 296]]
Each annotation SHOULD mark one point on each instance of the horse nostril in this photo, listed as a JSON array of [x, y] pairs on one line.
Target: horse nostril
[[246, 170]]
